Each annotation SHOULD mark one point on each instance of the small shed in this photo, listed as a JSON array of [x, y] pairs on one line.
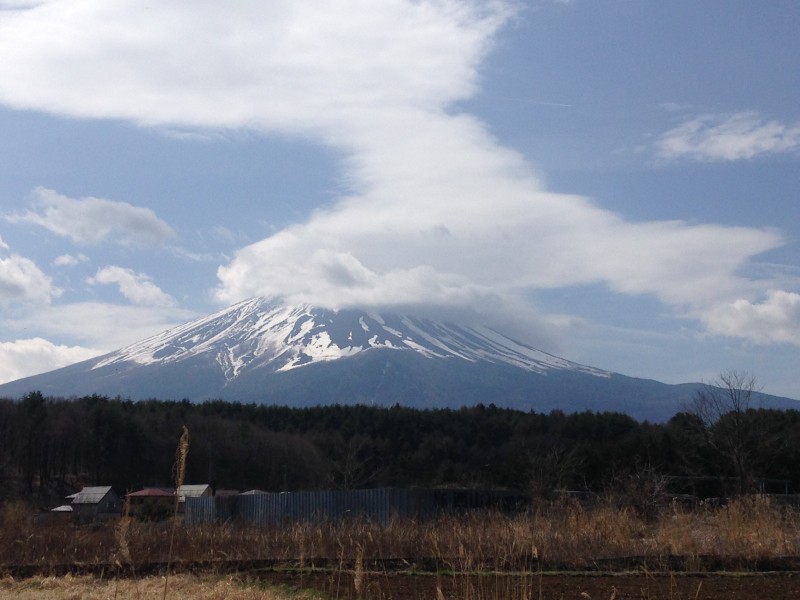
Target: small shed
[[152, 503], [59, 514], [95, 502], [201, 490]]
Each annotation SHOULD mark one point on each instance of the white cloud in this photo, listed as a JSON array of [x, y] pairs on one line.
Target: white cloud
[[23, 358], [287, 64], [444, 215], [5, 5], [737, 136], [136, 287], [198, 257], [775, 319], [3, 245], [68, 260], [220, 232], [22, 281], [438, 213], [94, 220], [674, 107]]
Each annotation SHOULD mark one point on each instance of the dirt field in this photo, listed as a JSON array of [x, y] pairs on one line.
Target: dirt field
[[560, 586]]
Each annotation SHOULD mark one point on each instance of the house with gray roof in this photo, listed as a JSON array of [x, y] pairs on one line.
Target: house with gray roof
[[95, 502]]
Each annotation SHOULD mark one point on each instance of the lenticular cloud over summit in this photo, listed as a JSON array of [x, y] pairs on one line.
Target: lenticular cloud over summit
[[444, 216]]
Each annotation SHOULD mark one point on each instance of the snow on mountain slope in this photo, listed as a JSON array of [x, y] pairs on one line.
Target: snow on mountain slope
[[263, 333]]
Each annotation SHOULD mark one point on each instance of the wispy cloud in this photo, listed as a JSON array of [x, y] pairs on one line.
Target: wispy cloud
[[136, 287], [220, 232], [17, 6], [69, 260], [97, 325], [738, 136], [93, 220]]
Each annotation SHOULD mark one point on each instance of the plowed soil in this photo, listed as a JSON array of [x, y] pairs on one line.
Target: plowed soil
[[390, 583], [558, 586]]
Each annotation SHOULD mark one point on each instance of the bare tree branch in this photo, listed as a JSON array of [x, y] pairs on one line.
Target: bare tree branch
[[724, 410]]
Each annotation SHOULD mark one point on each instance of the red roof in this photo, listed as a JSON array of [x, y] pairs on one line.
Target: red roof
[[153, 492]]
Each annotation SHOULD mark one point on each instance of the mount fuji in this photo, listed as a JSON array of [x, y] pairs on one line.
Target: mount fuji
[[264, 351]]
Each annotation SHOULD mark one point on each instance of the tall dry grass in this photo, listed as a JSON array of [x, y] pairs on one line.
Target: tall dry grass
[[750, 527], [181, 454], [565, 535], [148, 588]]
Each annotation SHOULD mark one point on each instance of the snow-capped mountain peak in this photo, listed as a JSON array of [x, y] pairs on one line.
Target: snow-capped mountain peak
[[264, 351], [263, 333]]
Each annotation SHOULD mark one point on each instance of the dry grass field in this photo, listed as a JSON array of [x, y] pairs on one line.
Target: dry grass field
[[147, 588], [749, 548], [747, 531]]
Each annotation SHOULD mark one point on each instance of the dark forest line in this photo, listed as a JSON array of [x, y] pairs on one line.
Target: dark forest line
[[50, 447]]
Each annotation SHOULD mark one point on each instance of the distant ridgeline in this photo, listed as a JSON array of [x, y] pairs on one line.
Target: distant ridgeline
[[52, 447]]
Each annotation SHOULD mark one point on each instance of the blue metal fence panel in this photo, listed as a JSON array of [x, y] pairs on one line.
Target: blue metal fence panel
[[199, 510], [377, 505], [204, 510]]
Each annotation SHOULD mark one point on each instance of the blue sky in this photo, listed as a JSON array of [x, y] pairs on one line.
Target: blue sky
[[614, 181]]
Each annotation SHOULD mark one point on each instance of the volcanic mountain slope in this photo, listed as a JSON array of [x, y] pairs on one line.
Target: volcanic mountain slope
[[264, 334], [261, 350]]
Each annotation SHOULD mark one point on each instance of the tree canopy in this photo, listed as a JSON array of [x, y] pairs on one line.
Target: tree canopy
[[51, 446]]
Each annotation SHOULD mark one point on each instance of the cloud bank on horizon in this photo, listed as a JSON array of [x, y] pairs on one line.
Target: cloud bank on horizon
[[436, 212]]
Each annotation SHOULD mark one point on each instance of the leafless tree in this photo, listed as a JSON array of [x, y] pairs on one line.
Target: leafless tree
[[642, 487], [552, 468], [723, 409], [352, 464]]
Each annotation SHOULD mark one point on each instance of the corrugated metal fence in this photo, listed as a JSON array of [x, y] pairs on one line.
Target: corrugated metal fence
[[376, 505], [209, 509]]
